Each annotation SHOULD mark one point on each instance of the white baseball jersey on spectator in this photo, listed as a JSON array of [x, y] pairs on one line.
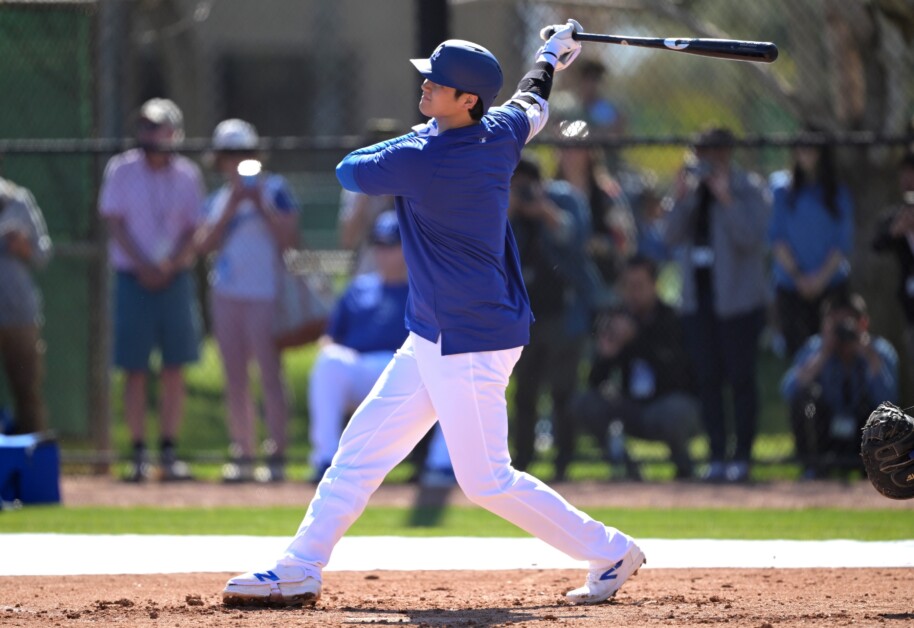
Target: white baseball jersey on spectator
[[158, 206], [248, 262]]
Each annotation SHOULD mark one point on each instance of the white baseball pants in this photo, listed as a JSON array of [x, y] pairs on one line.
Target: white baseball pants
[[340, 380], [466, 394]]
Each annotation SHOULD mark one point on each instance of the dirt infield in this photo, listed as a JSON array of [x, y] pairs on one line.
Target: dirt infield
[[764, 598], [746, 598]]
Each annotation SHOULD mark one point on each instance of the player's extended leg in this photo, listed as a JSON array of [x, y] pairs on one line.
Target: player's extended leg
[[468, 393], [387, 425]]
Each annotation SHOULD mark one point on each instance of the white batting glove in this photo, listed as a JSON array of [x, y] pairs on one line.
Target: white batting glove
[[429, 129], [560, 49]]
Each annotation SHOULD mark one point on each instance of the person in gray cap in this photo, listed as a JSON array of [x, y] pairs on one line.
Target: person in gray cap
[[150, 199]]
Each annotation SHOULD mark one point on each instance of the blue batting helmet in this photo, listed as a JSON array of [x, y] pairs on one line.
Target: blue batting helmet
[[386, 229], [465, 66]]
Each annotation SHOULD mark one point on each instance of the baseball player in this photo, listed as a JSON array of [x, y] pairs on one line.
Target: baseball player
[[468, 315]]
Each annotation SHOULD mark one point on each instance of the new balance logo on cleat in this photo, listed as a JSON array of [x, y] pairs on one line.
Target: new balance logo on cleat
[[283, 585], [602, 583], [610, 574]]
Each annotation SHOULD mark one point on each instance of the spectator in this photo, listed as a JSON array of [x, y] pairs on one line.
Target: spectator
[[550, 224], [248, 222], [811, 237], [366, 328], [150, 198], [718, 222], [643, 342], [835, 381], [358, 211], [895, 234], [612, 226], [24, 246]]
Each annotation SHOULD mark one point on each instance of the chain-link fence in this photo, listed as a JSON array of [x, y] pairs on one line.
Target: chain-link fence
[[310, 75]]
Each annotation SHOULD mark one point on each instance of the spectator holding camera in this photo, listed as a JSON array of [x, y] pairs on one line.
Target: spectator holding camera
[[811, 236], [835, 381], [717, 225], [249, 222], [150, 199], [643, 342]]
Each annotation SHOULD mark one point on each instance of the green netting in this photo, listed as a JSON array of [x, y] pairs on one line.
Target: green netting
[[46, 78]]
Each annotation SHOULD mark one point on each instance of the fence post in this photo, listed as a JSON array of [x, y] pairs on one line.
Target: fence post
[[111, 26]]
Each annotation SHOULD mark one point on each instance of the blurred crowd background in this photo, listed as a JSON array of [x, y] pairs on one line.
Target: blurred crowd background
[[630, 130]]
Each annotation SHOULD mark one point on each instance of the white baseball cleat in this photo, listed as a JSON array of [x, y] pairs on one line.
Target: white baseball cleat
[[282, 585], [604, 582]]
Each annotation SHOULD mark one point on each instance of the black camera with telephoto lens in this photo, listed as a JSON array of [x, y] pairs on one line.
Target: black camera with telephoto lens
[[846, 331]]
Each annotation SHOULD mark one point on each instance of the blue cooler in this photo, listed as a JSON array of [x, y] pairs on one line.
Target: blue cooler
[[30, 469]]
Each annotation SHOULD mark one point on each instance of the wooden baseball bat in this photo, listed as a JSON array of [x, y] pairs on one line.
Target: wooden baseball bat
[[733, 49]]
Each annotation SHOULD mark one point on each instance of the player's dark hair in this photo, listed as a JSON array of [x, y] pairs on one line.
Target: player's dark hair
[[642, 261], [476, 112], [826, 176]]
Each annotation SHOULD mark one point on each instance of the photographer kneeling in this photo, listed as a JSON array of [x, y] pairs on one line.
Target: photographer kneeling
[[837, 377], [639, 379]]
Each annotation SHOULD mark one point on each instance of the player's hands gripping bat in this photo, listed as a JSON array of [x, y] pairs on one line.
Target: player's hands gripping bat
[[561, 48]]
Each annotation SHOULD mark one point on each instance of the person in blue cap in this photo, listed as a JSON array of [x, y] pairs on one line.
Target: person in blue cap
[[469, 317]]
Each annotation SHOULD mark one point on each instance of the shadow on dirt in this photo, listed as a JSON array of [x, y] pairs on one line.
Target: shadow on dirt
[[458, 617]]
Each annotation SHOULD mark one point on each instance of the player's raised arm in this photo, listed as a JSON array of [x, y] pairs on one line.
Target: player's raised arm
[[532, 94]]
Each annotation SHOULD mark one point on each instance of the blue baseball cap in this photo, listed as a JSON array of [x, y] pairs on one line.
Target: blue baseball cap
[[465, 66], [386, 229]]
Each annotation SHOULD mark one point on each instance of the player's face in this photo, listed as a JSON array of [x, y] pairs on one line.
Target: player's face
[[441, 102]]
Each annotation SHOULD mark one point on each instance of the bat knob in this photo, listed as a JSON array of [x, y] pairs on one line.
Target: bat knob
[[547, 32]]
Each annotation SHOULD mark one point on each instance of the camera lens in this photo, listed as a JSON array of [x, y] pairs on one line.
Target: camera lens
[[846, 331]]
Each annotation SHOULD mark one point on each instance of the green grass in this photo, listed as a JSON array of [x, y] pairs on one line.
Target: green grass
[[811, 524]]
